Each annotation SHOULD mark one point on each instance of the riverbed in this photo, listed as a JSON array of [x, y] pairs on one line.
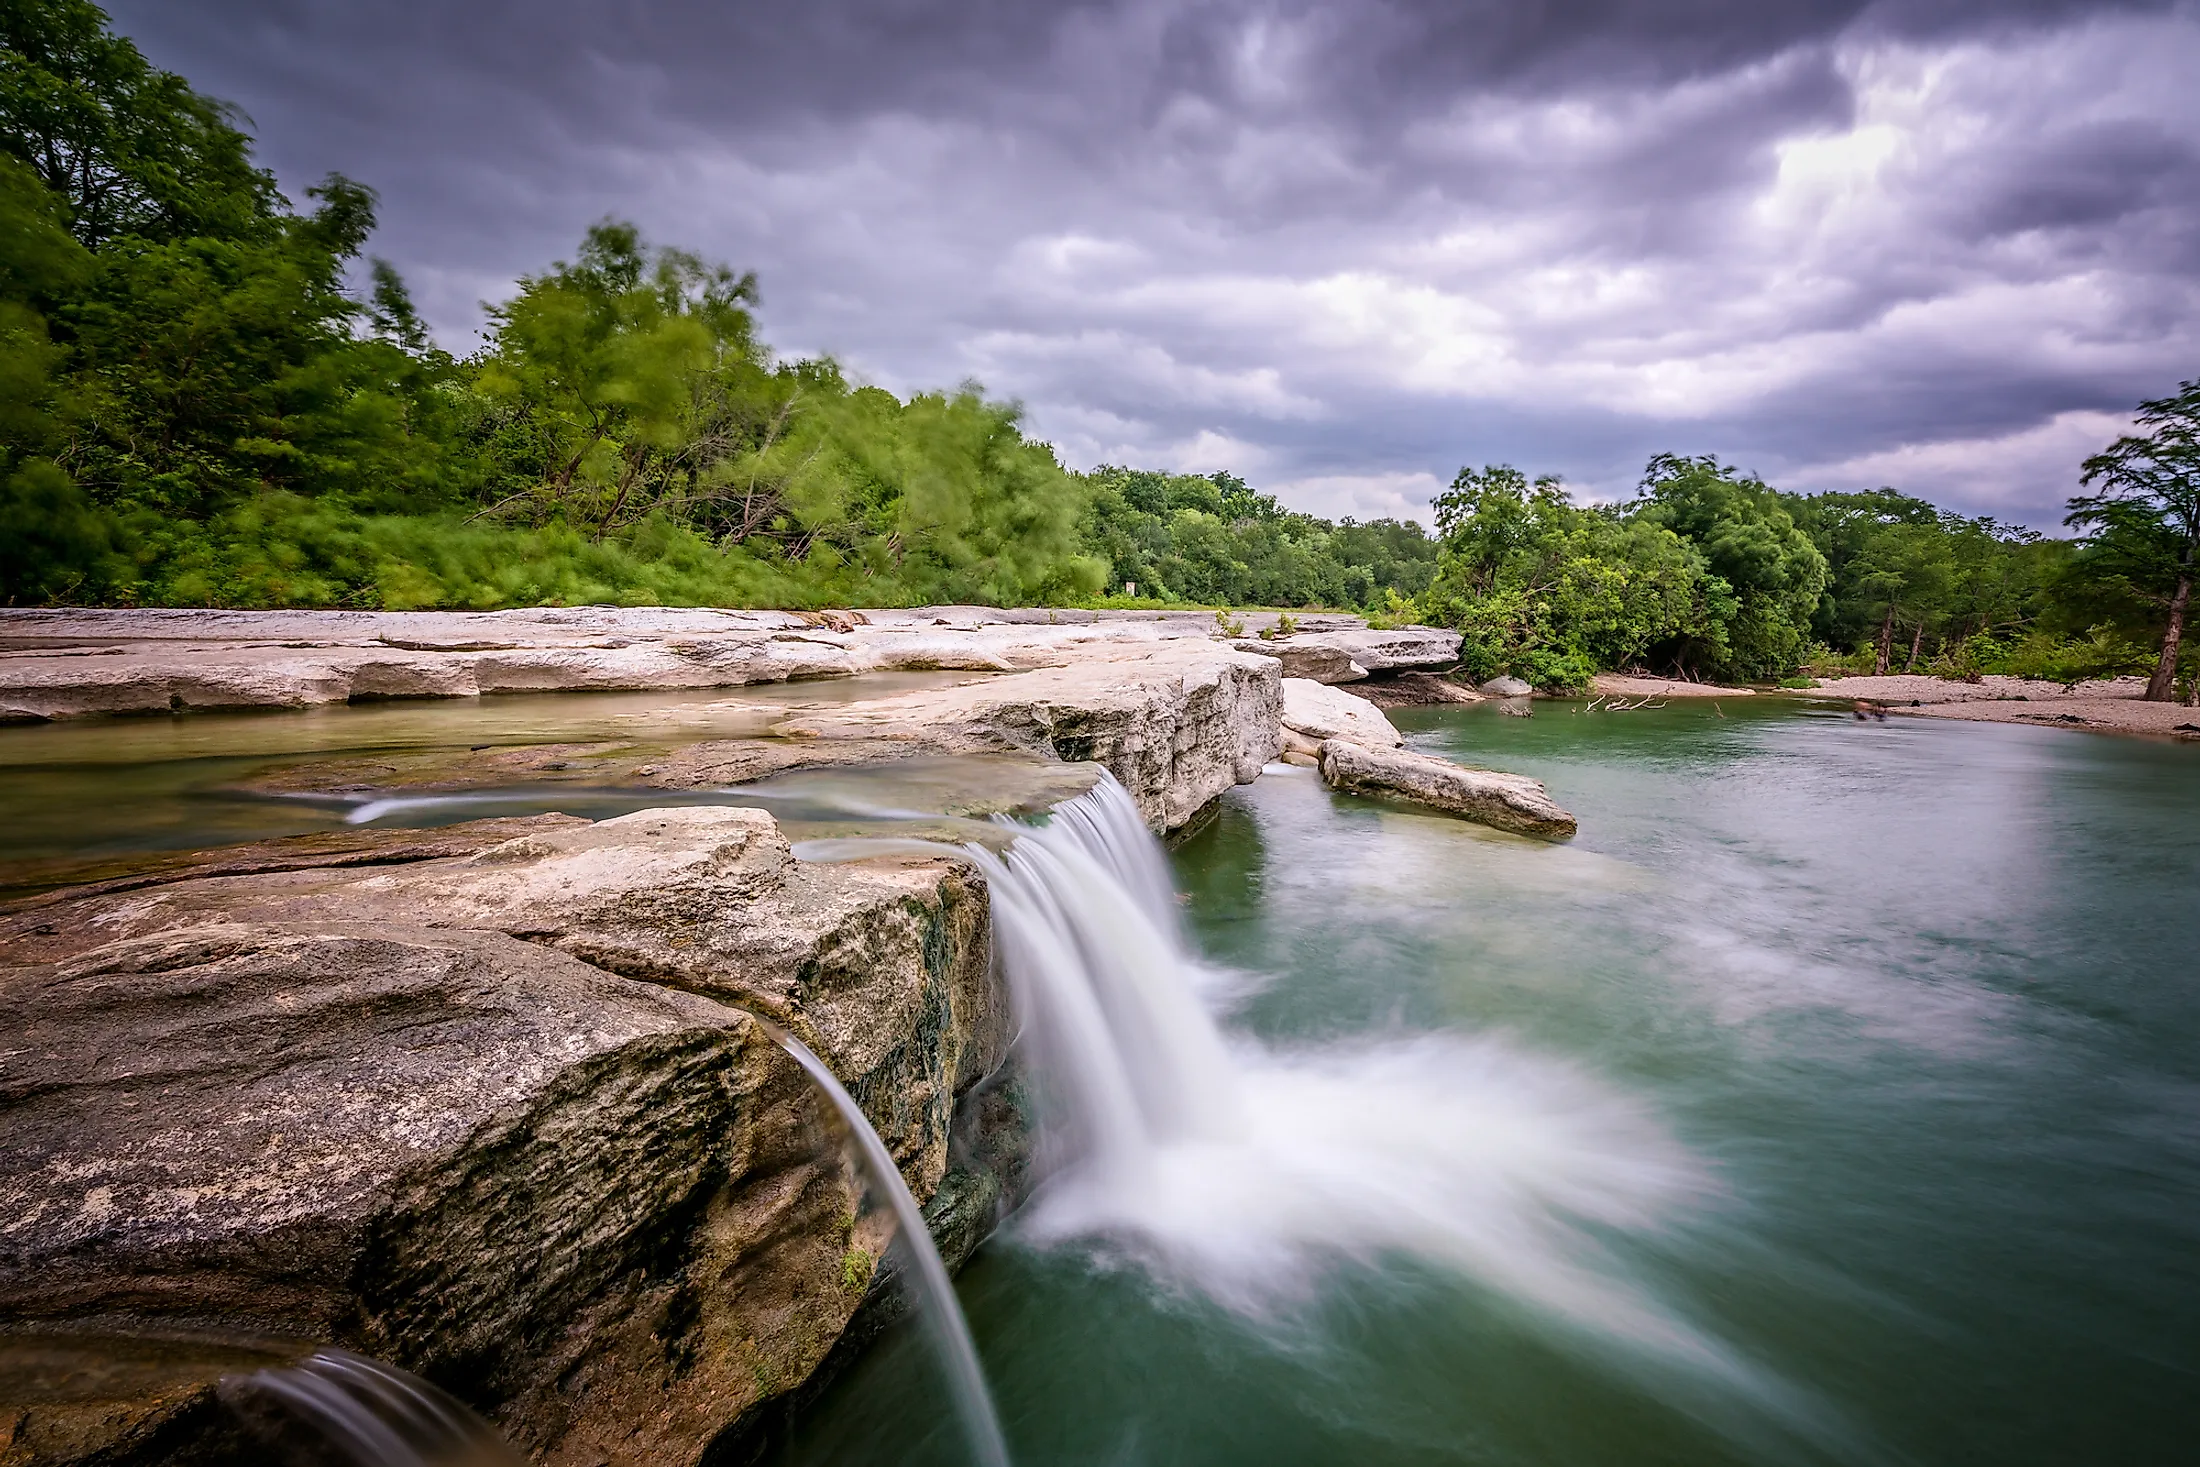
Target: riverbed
[[1834, 1097]]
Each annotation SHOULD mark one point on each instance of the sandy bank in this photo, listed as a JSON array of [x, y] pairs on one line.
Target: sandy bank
[[2108, 705], [1622, 685]]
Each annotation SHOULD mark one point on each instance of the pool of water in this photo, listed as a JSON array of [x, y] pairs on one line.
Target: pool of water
[[102, 787], [1857, 1067]]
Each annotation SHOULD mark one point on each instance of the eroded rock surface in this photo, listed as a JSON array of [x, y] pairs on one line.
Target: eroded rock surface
[[1507, 801], [499, 1117]]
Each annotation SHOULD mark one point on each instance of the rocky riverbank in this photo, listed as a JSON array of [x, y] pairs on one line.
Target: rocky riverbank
[[490, 1102]]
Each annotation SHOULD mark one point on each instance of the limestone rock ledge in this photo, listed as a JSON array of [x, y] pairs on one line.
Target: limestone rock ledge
[[1511, 802], [1177, 726], [499, 1117], [81, 662]]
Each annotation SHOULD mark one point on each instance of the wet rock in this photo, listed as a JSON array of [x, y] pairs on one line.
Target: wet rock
[[1313, 713], [1506, 801], [499, 1117]]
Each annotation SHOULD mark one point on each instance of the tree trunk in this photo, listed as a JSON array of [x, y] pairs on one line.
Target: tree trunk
[[1886, 644], [1917, 640], [2161, 687]]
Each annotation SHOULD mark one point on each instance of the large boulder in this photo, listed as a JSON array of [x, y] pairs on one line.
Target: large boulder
[[500, 1117], [1313, 713], [1507, 801]]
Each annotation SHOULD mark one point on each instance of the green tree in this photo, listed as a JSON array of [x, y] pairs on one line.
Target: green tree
[[632, 380], [1765, 575], [130, 149], [52, 538], [1551, 592], [2142, 523]]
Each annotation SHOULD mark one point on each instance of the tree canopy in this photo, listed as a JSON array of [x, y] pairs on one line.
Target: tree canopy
[[2142, 524]]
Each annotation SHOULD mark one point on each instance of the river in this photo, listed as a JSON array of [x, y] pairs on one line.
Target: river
[[1834, 1097]]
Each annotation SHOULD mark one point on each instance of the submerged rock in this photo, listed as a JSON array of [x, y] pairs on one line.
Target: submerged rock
[[1507, 801], [500, 1118]]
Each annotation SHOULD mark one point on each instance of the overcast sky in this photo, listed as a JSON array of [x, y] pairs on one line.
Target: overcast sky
[[1341, 249]]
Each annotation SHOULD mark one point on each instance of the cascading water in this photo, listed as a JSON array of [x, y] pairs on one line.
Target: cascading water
[[1242, 1170], [337, 1405], [936, 1292]]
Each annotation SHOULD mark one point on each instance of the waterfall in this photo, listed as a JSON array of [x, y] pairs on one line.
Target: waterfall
[[936, 1292], [1245, 1170], [362, 1412]]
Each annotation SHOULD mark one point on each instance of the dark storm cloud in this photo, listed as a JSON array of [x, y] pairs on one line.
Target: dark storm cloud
[[1340, 247]]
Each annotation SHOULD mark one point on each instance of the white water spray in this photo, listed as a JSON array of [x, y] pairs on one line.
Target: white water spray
[[1244, 1170]]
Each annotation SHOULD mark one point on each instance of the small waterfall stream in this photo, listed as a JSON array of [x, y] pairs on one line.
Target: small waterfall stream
[[363, 1413], [943, 1315]]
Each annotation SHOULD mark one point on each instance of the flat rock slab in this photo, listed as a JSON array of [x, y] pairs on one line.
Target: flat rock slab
[[492, 1108], [1313, 713], [1511, 802], [75, 663]]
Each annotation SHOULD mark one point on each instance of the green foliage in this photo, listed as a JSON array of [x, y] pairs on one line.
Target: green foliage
[[1907, 580], [127, 148], [198, 409], [1763, 576], [1210, 540], [2136, 565], [210, 397], [1551, 592]]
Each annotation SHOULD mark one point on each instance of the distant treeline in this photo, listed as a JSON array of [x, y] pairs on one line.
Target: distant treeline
[[209, 397], [1710, 573]]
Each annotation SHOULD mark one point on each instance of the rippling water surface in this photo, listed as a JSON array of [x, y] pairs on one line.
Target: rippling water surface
[[1835, 1097]]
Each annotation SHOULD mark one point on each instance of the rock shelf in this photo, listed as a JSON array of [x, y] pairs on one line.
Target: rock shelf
[[500, 1116], [81, 663]]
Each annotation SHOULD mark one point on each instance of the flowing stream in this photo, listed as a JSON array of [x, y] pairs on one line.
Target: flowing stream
[[1833, 1098]]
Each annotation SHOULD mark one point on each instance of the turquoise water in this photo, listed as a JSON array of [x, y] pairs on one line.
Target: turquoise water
[[1918, 1002]]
